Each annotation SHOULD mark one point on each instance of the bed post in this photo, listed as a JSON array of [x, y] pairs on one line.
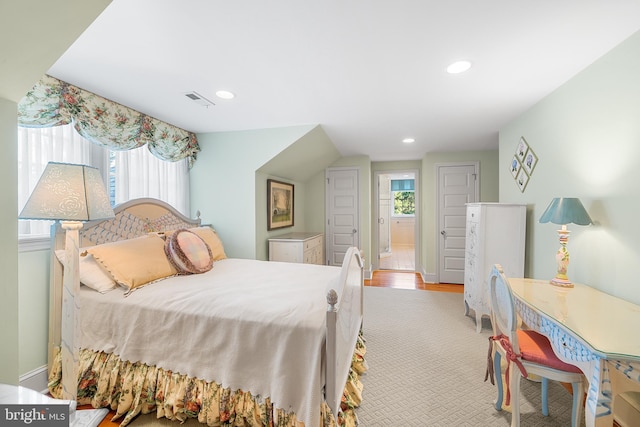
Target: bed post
[[70, 327], [55, 295], [344, 320], [331, 368]]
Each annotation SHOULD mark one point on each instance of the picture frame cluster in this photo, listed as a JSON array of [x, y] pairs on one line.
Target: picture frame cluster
[[523, 163]]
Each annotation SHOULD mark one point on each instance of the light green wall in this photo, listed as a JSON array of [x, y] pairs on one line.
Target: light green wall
[[314, 212], [302, 163], [223, 181], [33, 308], [229, 188], [35, 33], [488, 161], [9, 350], [24, 60], [587, 137], [299, 222]]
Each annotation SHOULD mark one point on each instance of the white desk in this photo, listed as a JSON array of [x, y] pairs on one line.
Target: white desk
[[589, 329]]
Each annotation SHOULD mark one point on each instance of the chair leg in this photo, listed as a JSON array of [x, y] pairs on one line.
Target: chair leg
[[497, 357], [578, 398], [514, 386], [545, 396]]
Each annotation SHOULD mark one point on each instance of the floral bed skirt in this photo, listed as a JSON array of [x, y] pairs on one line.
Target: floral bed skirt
[[130, 389]]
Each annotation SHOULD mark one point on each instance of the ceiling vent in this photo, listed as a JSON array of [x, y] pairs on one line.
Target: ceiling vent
[[199, 99]]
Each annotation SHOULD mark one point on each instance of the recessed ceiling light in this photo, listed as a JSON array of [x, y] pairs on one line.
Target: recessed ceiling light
[[225, 94], [408, 140], [458, 67]]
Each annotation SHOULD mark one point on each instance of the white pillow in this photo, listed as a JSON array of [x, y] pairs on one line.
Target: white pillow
[[92, 274]]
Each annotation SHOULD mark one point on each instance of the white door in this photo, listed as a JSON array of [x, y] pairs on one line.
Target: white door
[[342, 228], [384, 214], [457, 185]]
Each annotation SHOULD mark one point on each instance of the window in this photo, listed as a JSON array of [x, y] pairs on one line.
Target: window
[[404, 197], [404, 203], [128, 174]]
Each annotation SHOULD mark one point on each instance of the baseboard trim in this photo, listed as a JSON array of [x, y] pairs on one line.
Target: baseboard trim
[[36, 380], [428, 278]]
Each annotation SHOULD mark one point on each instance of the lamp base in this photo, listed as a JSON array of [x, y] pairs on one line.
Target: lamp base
[[561, 281]]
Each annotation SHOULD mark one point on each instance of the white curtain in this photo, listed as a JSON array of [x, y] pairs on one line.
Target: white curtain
[[126, 174], [138, 173], [36, 148]]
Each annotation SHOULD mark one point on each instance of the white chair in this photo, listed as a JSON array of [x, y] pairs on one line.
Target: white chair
[[526, 352]]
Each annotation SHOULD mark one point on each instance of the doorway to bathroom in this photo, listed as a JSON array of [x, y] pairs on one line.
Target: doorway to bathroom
[[396, 210]]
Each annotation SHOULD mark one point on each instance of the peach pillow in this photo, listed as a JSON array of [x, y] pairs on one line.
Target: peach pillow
[[212, 240], [134, 262], [187, 252]]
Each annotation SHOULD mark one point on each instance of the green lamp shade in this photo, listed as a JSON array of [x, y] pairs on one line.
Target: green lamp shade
[[566, 210]]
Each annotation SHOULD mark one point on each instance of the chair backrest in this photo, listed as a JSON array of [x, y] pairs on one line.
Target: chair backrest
[[503, 310]]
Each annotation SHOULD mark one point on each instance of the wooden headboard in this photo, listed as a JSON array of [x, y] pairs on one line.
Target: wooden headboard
[[132, 219]]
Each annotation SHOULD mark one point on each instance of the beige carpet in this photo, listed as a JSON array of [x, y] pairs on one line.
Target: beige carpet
[[426, 368]]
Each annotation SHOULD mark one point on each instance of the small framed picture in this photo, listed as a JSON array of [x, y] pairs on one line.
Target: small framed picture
[[530, 161], [279, 204], [522, 179], [515, 166], [522, 149]]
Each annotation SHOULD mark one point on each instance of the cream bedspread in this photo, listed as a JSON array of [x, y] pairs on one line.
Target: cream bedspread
[[253, 325]]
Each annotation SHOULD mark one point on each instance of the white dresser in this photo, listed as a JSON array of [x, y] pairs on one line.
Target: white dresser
[[495, 234], [301, 247]]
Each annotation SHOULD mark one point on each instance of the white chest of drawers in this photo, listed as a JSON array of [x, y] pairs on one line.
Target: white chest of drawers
[[495, 234], [307, 248]]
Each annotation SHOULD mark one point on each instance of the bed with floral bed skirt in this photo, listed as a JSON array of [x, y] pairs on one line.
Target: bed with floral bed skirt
[[169, 324], [131, 389]]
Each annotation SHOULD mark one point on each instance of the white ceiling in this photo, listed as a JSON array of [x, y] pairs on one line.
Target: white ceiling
[[371, 72]]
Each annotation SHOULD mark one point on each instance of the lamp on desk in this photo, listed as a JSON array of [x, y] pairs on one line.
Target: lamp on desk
[[70, 193], [562, 211]]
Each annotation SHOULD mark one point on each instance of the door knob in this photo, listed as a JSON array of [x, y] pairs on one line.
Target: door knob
[[444, 233], [354, 231]]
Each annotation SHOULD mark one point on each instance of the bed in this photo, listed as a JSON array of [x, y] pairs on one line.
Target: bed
[[240, 342]]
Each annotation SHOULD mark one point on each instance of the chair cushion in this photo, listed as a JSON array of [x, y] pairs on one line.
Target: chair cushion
[[535, 347]]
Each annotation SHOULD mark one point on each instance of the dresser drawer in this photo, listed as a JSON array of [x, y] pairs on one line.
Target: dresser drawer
[[313, 243]]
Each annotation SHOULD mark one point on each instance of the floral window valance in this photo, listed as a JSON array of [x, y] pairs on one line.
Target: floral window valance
[[53, 102]]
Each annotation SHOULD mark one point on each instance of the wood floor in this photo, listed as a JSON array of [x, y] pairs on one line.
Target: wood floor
[[380, 278], [401, 257], [408, 280]]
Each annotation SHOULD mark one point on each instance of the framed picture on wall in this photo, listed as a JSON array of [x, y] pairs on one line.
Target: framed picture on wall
[[522, 149], [514, 167], [279, 204], [522, 179], [530, 161]]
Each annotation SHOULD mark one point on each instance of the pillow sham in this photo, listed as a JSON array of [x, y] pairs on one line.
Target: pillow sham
[[187, 252], [134, 262], [212, 239], [92, 275]]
